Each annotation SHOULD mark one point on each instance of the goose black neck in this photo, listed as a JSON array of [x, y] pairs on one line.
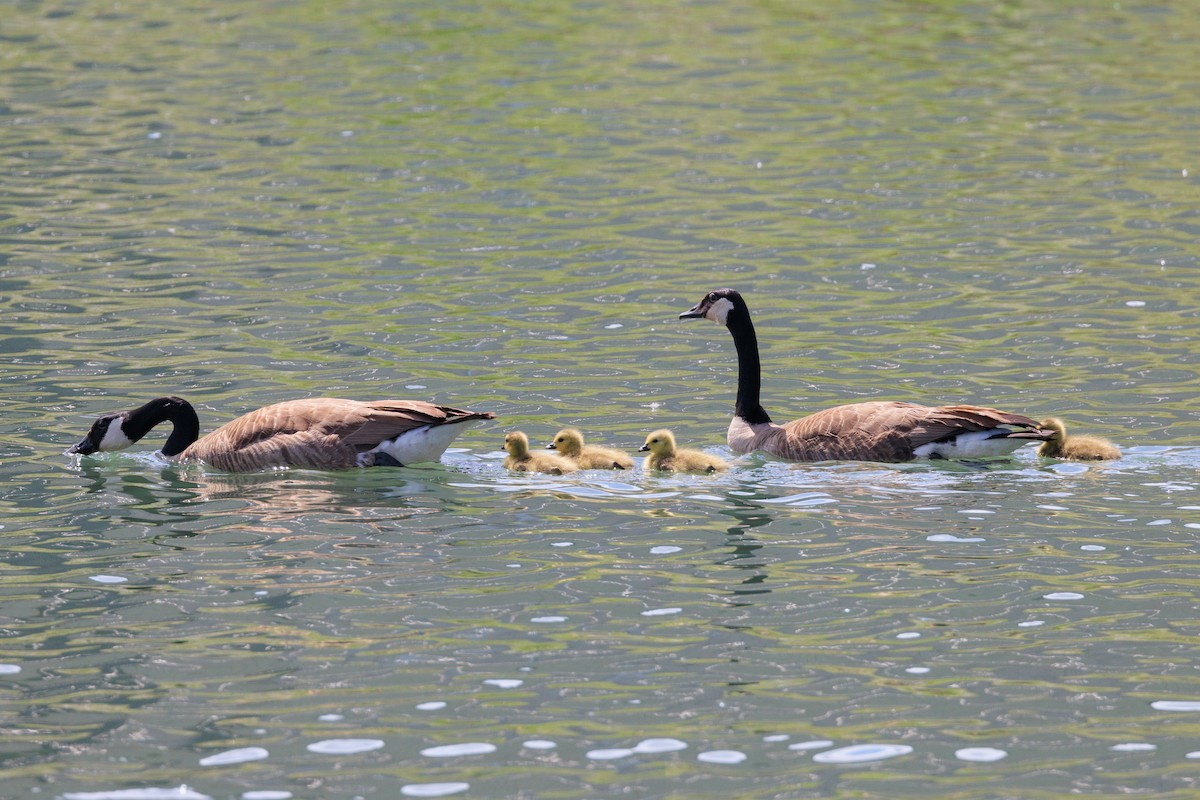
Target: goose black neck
[[748, 405], [177, 411]]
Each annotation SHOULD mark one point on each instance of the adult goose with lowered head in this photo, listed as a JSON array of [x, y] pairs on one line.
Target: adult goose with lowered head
[[321, 433], [870, 431]]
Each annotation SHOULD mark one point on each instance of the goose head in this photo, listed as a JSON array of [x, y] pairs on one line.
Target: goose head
[[121, 429], [660, 443], [105, 434], [568, 441], [517, 444], [718, 305]]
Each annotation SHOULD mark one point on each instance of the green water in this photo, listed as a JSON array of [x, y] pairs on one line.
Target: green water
[[506, 206]]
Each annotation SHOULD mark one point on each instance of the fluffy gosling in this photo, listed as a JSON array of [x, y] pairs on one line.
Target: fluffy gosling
[[569, 444], [665, 456], [1075, 448], [521, 460]]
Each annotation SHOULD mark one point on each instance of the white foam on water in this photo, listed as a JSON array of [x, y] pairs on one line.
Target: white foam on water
[[976, 511], [1133, 747], [777, 737], [432, 705], [1159, 522], [1176, 705], [858, 753], [980, 754], [539, 744], [267, 794], [330, 718], [1135, 303], [1052, 508], [344, 747], [154, 793], [504, 683], [722, 757], [613, 326], [238, 756], [433, 789], [1093, 547], [609, 754], [1063, 596], [1193, 754], [415, 386], [108, 579], [561, 544], [1031, 623], [917, 670], [9, 669], [548, 619], [659, 746], [908, 635], [463, 749], [659, 612], [663, 549], [950, 537], [815, 744]]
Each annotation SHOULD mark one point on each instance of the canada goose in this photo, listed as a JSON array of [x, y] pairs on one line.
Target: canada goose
[[521, 460], [1076, 448], [871, 431], [321, 433], [664, 455], [569, 444]]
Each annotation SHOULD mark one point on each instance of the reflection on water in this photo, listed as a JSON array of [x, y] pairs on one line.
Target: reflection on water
[[506, 207]]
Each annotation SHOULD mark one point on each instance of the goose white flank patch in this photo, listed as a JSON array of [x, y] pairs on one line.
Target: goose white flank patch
[[320, 433], [888, 431]]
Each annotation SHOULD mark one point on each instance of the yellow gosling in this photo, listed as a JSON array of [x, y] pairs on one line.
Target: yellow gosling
[[1075, 448], [664, 455], [521, 460], [569, 444]]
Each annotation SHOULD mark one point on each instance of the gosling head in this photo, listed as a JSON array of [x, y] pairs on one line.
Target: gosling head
[[1057, 426], [568, 441], [660, 443], [717, 306], [517, 444]]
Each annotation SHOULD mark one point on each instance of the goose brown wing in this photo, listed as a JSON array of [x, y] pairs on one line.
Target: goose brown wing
[[320, 433], [889, 431]]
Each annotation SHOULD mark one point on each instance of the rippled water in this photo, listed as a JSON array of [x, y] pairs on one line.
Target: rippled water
[[505, 207]]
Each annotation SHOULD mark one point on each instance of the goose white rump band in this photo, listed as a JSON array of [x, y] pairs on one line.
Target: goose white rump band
[[977, 444], [426, 443]]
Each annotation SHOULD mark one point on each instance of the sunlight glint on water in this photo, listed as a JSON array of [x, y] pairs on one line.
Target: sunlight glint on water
[[506, 207]]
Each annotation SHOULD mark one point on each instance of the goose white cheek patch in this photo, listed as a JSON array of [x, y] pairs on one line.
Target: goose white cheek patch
[[718, 312], [114, 437]]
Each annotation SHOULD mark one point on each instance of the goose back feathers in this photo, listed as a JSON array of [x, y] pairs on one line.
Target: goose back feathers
[[320, 433], [871, 431]]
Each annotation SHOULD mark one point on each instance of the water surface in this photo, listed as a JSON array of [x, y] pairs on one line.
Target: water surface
[[506, 207]]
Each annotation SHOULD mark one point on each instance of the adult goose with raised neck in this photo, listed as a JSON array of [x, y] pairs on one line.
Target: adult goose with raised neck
[[320, 433], [887, 431]]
